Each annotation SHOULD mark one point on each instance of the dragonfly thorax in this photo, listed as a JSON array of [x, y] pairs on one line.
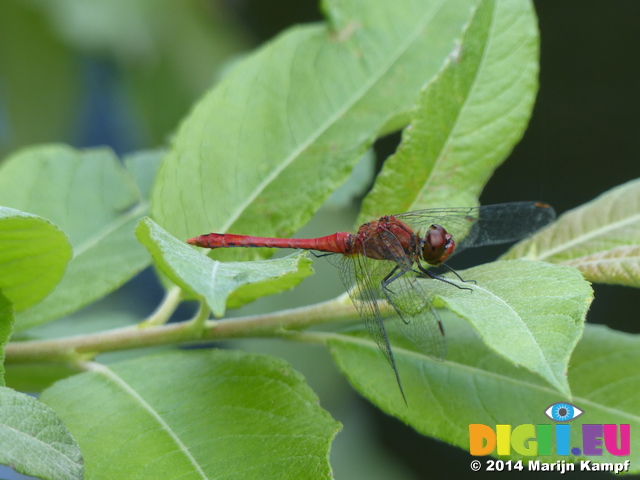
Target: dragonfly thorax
[[374, 240], [437, 245]]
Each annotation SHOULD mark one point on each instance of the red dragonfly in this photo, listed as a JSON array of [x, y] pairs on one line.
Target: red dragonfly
[[386, 257]]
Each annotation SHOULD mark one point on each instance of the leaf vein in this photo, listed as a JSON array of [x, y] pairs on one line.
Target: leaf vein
[[331, 120]]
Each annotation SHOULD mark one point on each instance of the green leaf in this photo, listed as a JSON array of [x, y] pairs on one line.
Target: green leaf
[[94, 200], [85, 322], [279, 275], [215, 414], [263, 150], [144, 166], [475, 385], [35, 441], [541, 306], [466, 121], [215, 281], [6, 327], [530, 313], [356, 185], [36, 376], [34, 255], [604, 376], [601, 238]]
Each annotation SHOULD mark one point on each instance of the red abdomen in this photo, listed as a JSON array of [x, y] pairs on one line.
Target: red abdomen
[[336, 243]]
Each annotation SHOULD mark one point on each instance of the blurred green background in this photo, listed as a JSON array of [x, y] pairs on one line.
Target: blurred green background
[[123, 73]]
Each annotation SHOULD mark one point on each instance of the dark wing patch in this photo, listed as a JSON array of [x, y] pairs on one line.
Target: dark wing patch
[[486, 225]]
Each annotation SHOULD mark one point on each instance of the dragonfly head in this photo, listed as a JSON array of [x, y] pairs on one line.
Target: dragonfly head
[[437, 245]]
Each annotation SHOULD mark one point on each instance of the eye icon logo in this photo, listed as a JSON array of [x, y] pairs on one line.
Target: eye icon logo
[[563, 412]]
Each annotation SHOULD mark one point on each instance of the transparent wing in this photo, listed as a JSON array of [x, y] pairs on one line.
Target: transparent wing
[[395, 282], [485, 225], [416, 317], [365, 293]]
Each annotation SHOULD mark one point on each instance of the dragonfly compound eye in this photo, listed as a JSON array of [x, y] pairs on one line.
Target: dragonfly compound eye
[[437, 246]]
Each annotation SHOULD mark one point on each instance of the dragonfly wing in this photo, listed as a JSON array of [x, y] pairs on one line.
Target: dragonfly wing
[[392, 280], [395, 282], [363, 279], [485, 225], [356, 275], [416, 317]]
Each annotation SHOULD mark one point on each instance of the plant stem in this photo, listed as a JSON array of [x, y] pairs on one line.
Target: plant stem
[[278, 323], [85, 347], [166, 308]]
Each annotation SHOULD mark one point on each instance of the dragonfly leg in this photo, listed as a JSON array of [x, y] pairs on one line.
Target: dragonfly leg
[[386, 290], [442, 279], [386, 281], [456, 274], [320, 255]]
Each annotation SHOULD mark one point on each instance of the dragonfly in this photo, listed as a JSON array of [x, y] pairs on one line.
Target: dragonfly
[[388, 260]]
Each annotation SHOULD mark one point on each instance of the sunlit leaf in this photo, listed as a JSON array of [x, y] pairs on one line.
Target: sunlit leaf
[[541, 306], [263, 150], [35, 441], [475, 386], [36, 376], [216, 281], [94, 200], [6, 326], [601, 238], [34, 255], [466, 121], [531, 313], [214, 414], [144, 166]]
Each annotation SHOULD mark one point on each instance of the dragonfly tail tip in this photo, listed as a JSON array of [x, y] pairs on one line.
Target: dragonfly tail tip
[[194, 241]]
